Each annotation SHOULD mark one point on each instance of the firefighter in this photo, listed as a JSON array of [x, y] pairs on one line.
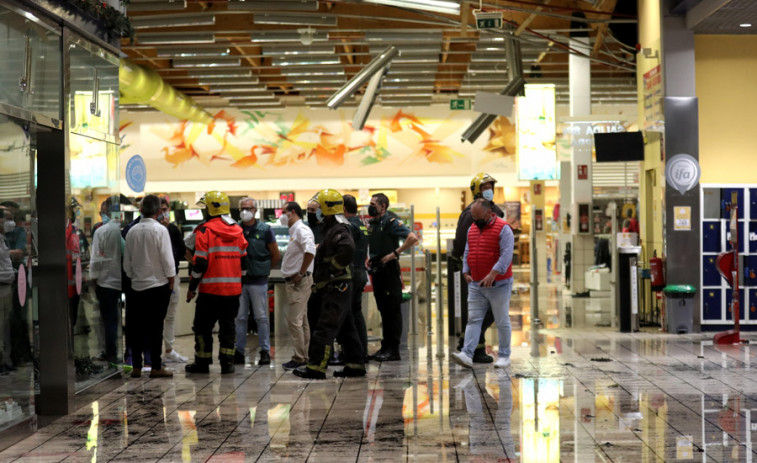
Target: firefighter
[[332, 281], [217, 265]]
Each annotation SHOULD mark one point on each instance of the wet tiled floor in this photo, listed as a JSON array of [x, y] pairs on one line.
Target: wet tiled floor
[[571, 394]]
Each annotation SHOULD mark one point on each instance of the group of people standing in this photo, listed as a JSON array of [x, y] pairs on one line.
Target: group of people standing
[[325, 268]]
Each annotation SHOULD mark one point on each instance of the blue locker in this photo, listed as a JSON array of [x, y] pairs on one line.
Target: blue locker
[[752, 304], [711, 236], [710, 275], [752, 238], [749, 271], [728, 247], [711, 304], [725, 202], [742, 304], [753, 203]]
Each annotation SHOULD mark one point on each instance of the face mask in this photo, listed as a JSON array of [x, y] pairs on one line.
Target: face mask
[[284, 220], [105, 218], [246, 216], [319, 215], [161, 217], [312, 218], [488, 195], [9, 226], [481, 223], [373, 210]]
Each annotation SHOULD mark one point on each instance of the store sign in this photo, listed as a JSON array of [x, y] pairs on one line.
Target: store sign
[[583, 172], [682, 172], [136, 174], [459, 103]]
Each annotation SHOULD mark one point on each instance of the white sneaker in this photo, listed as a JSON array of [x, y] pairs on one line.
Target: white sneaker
[[147, 368], [175, 357], [502, 362], [462, 359]]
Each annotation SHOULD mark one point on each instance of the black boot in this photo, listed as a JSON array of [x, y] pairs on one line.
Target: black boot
[[387, 356], [480, 356], [239, 358], [350, 372], [227, 368], [197, 368], [265, 358], [308, 373]]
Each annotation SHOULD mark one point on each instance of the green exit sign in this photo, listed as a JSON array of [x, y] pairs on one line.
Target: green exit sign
[[489, 20], [459, 103], [489, 23]]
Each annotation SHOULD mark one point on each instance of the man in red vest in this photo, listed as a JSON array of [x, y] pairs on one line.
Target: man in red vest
[[487, 268]]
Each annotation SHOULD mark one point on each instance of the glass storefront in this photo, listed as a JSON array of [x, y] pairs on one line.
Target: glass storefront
[[92, 115]]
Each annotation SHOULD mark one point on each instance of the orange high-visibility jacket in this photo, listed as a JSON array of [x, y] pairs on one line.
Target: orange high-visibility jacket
[[219, 249]]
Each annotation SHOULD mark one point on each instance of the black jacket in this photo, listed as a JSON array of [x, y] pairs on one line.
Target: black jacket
[[334, 255], [463, 224]]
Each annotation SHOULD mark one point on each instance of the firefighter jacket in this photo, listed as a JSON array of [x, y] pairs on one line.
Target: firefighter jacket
[[334, 256], [218, 260]]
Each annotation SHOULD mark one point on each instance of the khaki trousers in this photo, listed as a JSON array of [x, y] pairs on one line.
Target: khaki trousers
[[297, 317]]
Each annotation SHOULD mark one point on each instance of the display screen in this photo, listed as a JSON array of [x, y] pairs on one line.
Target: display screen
[[193, 215], [619, 147]]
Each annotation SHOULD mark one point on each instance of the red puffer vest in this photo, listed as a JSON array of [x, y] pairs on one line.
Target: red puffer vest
[[483, 250]]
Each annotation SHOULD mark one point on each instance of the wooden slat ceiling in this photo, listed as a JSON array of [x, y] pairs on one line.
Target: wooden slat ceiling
[[241, 63]]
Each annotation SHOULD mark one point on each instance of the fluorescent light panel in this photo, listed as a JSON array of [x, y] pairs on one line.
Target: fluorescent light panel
[[223, 81], [192, 52], [437, 6], [281, 5], [175, 20], [305, 61], [174, 38], [205, 63], [240, 89], [294, 19], [142, 5], [335, 71], [299, 51], [398, 38], [285, 36], [213, 73]]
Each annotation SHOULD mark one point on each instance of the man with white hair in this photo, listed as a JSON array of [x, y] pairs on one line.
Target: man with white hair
[[262, 253]]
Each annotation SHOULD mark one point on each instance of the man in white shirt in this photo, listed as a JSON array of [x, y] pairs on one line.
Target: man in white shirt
[[149, 263], [297, 268], [105, 274]]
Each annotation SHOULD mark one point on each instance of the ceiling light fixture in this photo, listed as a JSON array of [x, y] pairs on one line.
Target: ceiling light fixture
[[285, 36], [176, 20], [151, 5], [280, 5], [376, 65], [294, 19], [176, 38], [437, 6], [192, 52], [205, 63], [745, 25]]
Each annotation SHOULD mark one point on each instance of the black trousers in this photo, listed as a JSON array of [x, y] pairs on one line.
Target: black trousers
[[387, 289], [359, 279], [314, 308], [335, 317], [144, 323], [107, 299], [210, 309]]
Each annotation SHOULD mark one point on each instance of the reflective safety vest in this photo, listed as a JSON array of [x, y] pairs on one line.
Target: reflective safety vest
[[483, 250], [222, 245]]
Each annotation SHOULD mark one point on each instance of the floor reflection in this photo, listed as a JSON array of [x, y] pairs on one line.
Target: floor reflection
[[572, 394]]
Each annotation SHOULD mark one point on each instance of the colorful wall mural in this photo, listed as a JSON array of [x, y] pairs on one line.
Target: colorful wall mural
[[300, 142]]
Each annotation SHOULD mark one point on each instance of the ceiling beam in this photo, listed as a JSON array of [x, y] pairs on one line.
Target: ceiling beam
[[702, 11], [608, 5]]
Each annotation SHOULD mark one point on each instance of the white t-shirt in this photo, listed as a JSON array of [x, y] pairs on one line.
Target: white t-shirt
[[105, 263], [148, 257], [301, 241]]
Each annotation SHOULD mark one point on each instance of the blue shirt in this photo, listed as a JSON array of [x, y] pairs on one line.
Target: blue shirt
[[506, 245]]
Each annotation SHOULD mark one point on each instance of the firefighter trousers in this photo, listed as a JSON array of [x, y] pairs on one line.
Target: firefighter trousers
[[210, 309]]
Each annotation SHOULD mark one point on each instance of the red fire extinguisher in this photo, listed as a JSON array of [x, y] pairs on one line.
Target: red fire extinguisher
[[656, 272]]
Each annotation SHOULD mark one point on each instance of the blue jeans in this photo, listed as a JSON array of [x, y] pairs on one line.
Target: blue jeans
[[479, 300], [257, 295]]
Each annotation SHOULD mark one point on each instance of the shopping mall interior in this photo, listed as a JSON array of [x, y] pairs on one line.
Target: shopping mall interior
[[617, 135]]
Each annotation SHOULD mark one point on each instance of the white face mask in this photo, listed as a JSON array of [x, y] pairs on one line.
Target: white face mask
[[246, 216], [488, 194], [284, 220], [9, 226]]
